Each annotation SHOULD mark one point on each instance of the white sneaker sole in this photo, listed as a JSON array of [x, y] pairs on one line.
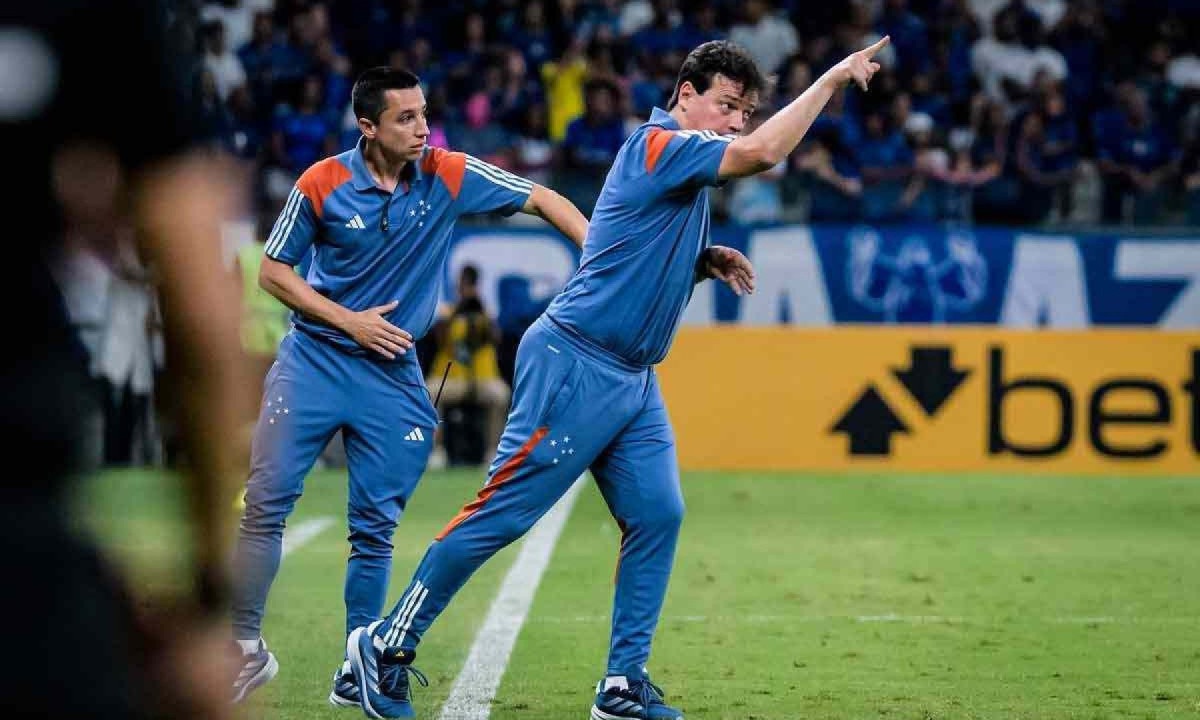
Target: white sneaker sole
[[359, 668], [341, 702], [598, 714], [258, 679]]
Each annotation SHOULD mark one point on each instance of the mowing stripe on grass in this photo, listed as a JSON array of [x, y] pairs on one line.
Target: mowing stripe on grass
[[296, 537], [471, 696]]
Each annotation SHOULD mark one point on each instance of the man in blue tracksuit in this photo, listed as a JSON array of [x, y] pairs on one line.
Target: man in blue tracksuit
[[586, 395], [376, 223]]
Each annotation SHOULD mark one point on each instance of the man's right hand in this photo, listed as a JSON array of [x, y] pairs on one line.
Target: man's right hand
[[859, 67], [370, 330]]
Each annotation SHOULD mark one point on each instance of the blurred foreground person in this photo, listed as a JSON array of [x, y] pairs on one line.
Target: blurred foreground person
[[101, 134]]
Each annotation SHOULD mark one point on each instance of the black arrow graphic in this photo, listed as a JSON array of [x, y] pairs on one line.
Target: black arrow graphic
[[931, 377], [870, 423]]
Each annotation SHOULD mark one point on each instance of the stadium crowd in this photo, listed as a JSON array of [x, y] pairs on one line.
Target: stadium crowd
[[1022, 112], [993, 111]]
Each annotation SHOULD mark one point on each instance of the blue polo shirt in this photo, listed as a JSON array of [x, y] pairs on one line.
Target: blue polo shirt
[[648, 229], [369, 247]]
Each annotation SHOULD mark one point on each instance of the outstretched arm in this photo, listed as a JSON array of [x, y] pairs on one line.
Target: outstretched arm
[[779, 135], [485, 188], [558, 211]]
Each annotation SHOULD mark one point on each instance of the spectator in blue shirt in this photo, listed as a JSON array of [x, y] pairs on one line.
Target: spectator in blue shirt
[[701, 25], [664, 34], [925, 98], [263, 58], [996, 196], [601, 20], [887, 169], [835, 115], [297, 54], [594, 138], [831, 174], [1161, 95], [592, 142], [518, 91], [420, 61], [1062, 136], [1135, 163], [534, 36], [1190, 170], [1039, 182], [246, 139], [304, 134], [1079, 37], [958, 29], [1060, 145], [215, 122], [910, 37], [469, 56], [334, 68], [480, 135], [653, 86], [1106, 122]]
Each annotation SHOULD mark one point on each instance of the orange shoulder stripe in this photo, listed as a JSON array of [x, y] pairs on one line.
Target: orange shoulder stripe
[[656, 142], [320, 180], [449, 166]]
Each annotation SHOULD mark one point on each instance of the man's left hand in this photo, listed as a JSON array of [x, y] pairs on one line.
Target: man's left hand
[[731, 267]]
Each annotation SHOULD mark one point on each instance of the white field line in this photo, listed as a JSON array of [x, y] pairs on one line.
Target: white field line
[[473, 691], [296, 537]]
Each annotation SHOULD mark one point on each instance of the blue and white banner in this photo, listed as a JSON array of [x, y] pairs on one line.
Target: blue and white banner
[[829, 275]]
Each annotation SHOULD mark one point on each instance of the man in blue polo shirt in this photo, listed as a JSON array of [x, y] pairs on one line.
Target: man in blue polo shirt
[[586, 394], [376, 223]]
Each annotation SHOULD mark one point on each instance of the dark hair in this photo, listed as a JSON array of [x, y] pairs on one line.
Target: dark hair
[[469, 275], [718, 56], [367, 95], [602, 85], [212, 29]]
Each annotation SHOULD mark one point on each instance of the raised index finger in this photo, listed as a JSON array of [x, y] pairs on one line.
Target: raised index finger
[[869, 52]]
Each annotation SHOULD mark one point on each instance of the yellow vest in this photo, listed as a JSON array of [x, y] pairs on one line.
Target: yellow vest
[[265, 320], [471, 362], [564, 94]]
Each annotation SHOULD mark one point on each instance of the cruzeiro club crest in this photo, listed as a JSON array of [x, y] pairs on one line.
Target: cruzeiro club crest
[[919, 281]]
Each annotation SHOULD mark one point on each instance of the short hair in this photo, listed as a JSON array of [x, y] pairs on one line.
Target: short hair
[[723, 57], [212, 29], [367, 95], [469, 275], [603, 85]]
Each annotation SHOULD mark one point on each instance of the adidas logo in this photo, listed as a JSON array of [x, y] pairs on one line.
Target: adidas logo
[[416, 434], [356, 222]]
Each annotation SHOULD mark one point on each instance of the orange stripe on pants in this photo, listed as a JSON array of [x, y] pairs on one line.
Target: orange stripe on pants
[[503, 475]]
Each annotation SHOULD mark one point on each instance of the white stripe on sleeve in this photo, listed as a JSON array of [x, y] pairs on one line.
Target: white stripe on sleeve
[[497, 171], [286, 223], [282, 219], [499, 177], [706, 135]]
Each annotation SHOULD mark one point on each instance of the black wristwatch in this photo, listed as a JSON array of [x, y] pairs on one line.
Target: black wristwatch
[[704, 265]]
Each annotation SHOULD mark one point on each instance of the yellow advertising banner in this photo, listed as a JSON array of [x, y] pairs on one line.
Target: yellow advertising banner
[[1088, 401]]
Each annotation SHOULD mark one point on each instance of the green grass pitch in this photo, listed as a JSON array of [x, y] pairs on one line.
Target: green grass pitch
[[794, 596]]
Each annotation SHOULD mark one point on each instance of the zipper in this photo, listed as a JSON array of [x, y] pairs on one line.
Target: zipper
[[387, 208]]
